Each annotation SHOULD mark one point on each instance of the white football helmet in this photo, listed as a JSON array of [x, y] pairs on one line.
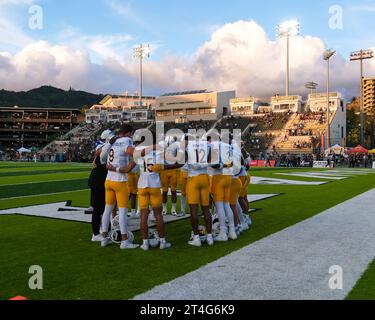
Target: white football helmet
[[153, 238], [202, 234], [216, 229], [215, 218], [115, 223], [115, 234]]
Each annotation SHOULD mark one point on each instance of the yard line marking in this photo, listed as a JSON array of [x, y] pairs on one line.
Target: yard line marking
[[44, 194]]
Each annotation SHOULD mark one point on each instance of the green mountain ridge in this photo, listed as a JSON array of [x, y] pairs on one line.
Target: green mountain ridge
[[49, 97]]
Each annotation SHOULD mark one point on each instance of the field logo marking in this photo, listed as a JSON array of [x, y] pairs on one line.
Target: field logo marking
[[36, 280], [336, 282]]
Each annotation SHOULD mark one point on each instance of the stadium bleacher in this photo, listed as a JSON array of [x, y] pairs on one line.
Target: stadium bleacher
[[274, 133]]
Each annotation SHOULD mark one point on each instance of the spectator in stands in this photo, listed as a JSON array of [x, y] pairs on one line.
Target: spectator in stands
[[267, 160], [365, 160], [289, 163]]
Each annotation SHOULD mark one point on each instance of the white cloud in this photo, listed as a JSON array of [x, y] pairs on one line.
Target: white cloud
[[40, 64], [241, 56], [238, 56], [12, 36], [99, 46]]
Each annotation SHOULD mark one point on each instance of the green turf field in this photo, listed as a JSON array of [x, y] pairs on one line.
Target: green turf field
[[75, 268]]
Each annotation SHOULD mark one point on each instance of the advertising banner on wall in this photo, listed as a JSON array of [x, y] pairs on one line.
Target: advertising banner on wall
[[320, 164]]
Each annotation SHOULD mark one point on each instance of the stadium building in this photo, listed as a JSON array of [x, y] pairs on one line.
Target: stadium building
[[286, 103], [369, 96], [122, 108], [317, 102], [182, 107], [35, 127], [244, 106]]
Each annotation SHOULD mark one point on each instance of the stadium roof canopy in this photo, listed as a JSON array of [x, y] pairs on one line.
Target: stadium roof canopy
[[184, 93]]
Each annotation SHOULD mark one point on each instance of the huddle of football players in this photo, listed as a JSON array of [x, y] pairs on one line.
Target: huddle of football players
[[210, 170]]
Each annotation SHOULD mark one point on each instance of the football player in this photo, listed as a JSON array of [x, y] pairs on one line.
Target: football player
[[116, 186], [243, 202], [150, 162], [198, 193], [169, 178], [221, 188], [97, 181], [236, 185], [133, 177], [183, 178]]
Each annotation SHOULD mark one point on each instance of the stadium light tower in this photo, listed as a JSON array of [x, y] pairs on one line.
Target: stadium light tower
[[286, 30], [355, 56], [327, 57], [311, 86], [140, 52]]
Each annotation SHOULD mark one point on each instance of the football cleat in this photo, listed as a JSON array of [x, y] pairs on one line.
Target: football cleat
[[98, 238], [145, 246], [239, 230], [248, 220], [210, 240], [164, 245], [245, 226], [196, 242], [106, 242], [232, 234], [127, 245], [222, 237], [174, 213]]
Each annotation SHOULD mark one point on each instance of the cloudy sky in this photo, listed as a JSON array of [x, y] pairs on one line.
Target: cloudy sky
[[210, 44]]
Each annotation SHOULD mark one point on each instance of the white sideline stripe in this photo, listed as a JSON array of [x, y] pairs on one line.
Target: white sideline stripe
[[44, 194], [36, 182], [291, 264]]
